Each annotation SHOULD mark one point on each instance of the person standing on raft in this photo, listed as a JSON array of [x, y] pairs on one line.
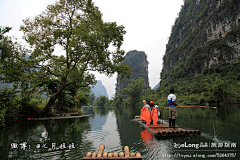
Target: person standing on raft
[[146, 112], [154, 113], [172, 108]]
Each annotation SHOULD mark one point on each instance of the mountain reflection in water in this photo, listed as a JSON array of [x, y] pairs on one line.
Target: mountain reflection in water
[[113, 127]]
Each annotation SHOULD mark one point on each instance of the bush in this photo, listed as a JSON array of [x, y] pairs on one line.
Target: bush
[[2, 118], [76, 110], [101, 101], [7, 106], [28, 108], [65, 109], [12, 114]]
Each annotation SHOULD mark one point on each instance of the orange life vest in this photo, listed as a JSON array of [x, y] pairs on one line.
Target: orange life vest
[[154, 115], [145, 115]]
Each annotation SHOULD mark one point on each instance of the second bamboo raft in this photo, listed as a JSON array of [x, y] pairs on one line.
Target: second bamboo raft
[[104, 155]]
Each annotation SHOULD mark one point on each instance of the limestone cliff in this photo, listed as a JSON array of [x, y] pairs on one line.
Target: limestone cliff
[[204, 39], [138, 63]]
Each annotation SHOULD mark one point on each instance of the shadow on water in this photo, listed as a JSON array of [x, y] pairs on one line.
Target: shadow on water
[[48, 139]]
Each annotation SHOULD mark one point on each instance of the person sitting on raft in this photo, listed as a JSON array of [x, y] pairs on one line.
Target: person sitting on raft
[[158, 108], [146, 112], [154, 113]]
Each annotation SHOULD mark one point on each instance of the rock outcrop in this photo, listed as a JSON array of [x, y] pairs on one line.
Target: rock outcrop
[[138, 63], [99, 89], [205, 35]]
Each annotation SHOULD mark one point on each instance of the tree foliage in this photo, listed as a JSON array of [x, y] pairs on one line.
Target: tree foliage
[[6, 102], [91, 98], [101, 101], [118, 100], [134, 90], [82, 97], [78, 29], [14, 61], [198, 49]]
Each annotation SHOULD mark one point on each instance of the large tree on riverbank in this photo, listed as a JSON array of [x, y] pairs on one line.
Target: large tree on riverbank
[[14, 67], [76, 26]]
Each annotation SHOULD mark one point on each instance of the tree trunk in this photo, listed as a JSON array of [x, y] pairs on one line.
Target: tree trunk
[[54, 97]]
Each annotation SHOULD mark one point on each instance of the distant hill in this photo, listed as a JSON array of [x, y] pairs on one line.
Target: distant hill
[[99, 89], [137, 60], [154, 88]]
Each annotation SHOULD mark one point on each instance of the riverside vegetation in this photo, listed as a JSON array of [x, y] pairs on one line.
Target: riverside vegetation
[[78, 28], [201, 61]]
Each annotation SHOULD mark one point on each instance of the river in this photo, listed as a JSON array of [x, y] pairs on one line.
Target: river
[[115, 128]]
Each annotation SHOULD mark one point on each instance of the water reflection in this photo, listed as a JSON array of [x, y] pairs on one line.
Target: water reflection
[[219, 127], [104, 131], [50, 139], [114, 128], [147, 138]]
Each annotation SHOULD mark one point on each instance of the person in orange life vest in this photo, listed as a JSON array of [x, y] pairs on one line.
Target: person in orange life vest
[[158, 108], [145, 112], [154, 113]]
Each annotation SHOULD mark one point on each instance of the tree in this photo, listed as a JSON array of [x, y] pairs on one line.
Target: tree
[[8, 57], [6, 103], [218, 90], [3, 30], [83, 96], [118, 100], [150, 95], [238, 91], [91, 98], [14, 64], [77, 27], [134, 90], [101, 101], [198, 85]]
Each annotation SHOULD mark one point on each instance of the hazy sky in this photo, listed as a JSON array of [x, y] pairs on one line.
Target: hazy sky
[[148, 25]]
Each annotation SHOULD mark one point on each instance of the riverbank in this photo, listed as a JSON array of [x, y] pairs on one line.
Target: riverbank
[[63, 116]]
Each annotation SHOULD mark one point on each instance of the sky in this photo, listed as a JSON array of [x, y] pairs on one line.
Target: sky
[[147, 24]]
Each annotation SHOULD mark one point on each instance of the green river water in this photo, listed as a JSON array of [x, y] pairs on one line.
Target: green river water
[[115, 128]]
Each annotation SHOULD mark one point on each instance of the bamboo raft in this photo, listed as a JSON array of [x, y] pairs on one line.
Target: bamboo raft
[[163, 130], [104, 155]]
